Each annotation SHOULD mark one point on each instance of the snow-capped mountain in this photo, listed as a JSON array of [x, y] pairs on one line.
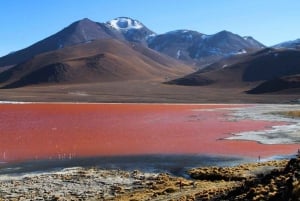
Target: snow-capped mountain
[[125, 24], [176, 43], [83, 31], [186, 45], [293, 44], [202, 49], [132, 30]]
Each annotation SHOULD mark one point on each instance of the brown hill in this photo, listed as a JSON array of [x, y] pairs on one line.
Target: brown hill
[[98, 61], [81, 31], [283, 83], [248, 70]]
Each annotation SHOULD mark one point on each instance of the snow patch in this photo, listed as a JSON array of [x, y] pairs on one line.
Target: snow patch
[[178, 31], [124, 23], [150, 38], [242, 51], [178, 54], [247, 38], [84, 34], [204, 37], [184, 34]]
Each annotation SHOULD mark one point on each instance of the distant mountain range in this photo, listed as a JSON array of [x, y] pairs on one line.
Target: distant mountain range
[[125, 49], [202, 49], [189, 46], [293, 44], [267, 70]]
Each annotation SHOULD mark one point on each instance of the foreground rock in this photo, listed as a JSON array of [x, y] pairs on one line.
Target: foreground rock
[[95, 184], [272, 180], [279, 185], [268, 181]]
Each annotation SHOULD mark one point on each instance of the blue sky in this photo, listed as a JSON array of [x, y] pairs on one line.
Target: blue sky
[[24, 22]]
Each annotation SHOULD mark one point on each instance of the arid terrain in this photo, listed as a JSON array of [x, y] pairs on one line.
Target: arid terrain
[[103, 62], [151, 91]]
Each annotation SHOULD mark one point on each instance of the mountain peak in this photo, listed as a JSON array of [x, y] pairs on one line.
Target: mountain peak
[[86, 20], [224, 32], [125, 23], [132, 30], [83, 31], [83, 22], [79, 32]]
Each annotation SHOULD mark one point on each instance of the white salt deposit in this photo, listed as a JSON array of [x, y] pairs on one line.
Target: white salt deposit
[[289, 133]]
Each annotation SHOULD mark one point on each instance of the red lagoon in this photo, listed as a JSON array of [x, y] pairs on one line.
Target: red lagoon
[[36, 131]]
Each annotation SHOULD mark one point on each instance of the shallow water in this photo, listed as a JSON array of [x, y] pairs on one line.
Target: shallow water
[[172, 164], [67, 131]]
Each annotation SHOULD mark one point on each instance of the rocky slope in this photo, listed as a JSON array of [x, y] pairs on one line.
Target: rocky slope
[[201, 49], [277, 68]]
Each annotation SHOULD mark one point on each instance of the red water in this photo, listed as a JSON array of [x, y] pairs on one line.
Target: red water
[[34, 131]]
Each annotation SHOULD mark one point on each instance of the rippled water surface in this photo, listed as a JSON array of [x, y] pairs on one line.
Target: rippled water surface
[[66, 131]]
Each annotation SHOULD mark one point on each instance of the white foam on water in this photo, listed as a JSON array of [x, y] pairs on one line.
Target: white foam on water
[[14, 102]]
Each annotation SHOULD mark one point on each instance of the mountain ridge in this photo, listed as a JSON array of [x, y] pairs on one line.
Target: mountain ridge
[[78, 32], [292, 44], [127, 30], [270, 66], [101, 60], [202, 49], [124, 49]]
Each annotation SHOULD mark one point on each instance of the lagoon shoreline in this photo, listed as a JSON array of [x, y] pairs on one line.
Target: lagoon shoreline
[[202, 183], [84, 130], [177, 151]]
